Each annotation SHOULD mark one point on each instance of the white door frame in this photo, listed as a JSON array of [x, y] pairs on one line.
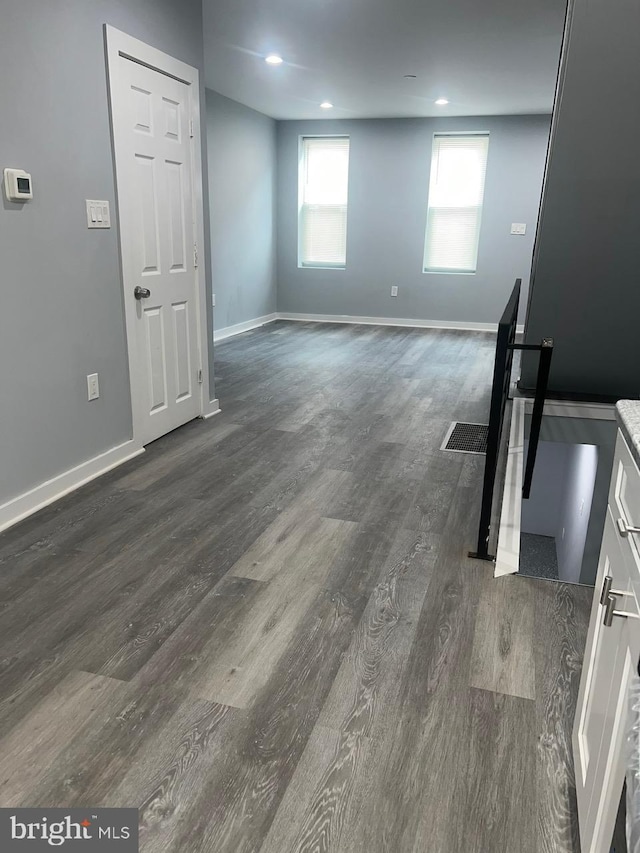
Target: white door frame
[[118, 45]]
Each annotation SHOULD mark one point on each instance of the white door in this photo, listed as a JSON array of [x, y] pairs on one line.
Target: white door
[[151, 125], [600, 729]]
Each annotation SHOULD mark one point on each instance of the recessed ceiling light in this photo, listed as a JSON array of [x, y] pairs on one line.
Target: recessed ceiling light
[[274, 59], [442, 102], [326, 105]]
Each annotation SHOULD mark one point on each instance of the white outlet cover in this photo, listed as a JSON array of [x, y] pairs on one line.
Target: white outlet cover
[[519, 228], [93, 388], [394, 290]]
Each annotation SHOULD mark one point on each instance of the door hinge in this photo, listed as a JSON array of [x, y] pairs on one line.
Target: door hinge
[[200, 376], [195, 255], [190, 128]]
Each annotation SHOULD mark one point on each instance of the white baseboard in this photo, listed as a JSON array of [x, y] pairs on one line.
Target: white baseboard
[[464, 325], [230, 331], [213, 409], [46, 493]]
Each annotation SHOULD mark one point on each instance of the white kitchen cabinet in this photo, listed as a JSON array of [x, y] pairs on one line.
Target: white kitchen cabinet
[[610, 661]]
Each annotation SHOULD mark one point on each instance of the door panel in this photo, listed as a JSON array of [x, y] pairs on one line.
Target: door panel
[[178, 259], [156, 358], [172, 122], [600, 725], [601, 659], [148, 215], [157, 233], [182, 348], [624, 498], [598, 673], [141, 109]]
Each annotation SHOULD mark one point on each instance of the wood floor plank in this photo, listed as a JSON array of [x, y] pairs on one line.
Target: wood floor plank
[[32, 747], [242, 799], [425, 441], [320, 798], [365, 691], [114, 744], [383, 487], [497, 791], [302, 478], [402, 797], [297, 548], [503, 656], [166, 780], [158, 465], [319, 801], [432, 500], [235, 658]]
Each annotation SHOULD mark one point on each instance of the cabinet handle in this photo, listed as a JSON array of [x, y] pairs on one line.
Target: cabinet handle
[[610, 611], [625, 529], [606, 589]]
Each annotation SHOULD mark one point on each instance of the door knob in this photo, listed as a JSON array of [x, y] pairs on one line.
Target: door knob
[[142, 292]]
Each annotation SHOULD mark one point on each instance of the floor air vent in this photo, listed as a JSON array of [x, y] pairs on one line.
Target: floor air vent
[[466, 438]]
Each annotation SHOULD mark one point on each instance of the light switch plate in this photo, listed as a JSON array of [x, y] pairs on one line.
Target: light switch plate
[[519, 228], [394, 290], [93, 389], [98, 214]]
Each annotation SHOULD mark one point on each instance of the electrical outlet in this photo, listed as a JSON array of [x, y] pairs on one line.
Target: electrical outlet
[[213, 300], [93, 389], [394, 290], [519, 228]]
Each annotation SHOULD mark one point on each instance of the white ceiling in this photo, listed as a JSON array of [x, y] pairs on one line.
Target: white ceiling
[[488, 57]]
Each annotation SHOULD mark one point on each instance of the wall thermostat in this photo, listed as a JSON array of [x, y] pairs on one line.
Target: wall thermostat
[[17, 185]]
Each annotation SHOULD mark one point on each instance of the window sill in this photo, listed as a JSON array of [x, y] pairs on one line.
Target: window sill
[[449, 272], [320, 267]]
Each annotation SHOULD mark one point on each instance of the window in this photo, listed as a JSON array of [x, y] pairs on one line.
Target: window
[[456, 190], [322, 225]]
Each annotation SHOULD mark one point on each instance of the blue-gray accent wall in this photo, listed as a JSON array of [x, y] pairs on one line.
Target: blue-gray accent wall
[[390, 162], [242, 191]]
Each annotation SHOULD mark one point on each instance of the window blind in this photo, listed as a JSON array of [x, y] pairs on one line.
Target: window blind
[[324, 176], [456, 191]]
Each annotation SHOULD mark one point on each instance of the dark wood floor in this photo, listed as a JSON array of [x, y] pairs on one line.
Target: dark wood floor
[[265, 632]]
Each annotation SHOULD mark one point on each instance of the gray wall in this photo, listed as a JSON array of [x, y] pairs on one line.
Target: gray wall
[[541, 511], [573, 520], [585, 292], [602, 433], [564, 477], [388, 191], [62, 313], [242, 169]]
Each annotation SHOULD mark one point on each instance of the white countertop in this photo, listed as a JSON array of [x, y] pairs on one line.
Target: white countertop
[[628, 413]]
